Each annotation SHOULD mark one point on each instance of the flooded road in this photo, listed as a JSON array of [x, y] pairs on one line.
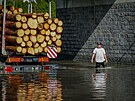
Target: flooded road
[[58, 82]]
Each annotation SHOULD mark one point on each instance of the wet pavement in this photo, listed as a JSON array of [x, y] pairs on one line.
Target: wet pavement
[[68, 82]]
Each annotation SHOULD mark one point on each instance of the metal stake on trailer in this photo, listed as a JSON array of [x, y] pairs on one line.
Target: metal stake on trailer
[[3, 31]]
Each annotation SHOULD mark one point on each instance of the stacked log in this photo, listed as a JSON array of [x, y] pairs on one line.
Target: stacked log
[[32, 33], [11, 10]]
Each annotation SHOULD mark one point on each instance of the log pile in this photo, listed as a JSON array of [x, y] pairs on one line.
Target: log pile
[[32, 33], [11, 10]]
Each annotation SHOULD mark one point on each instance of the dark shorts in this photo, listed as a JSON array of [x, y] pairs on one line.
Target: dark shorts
[[99, 64]]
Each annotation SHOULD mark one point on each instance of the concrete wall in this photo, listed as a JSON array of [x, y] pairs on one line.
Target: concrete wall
[[84, 3], [112, 24]]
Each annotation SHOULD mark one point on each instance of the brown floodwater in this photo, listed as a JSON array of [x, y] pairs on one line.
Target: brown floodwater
[[67, 83]]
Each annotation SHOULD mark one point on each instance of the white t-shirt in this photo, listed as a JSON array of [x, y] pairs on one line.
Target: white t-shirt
[[99, 54]]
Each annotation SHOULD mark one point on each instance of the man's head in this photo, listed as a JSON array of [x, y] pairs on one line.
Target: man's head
[[99, 44]]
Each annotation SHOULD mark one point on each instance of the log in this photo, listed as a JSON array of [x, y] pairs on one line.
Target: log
[[45, 49], [33, 38], [29, 43], [31, 51], [23, 44], [13, 17], [19, 40], [60, 23], [58, 36], [40, 49], [36, 50], [30, 15], [27, 32], [40, 26], [12, 24], [20, 32], [24, 50], [40, 19], [11, 8], [14, 48], [9, 12], [59, 29], [9, 31], [23, 19], [46, 26], [58, 43], [49, 21], [36, 45], [44, 44], [40, 38], [20, 10], [56, 20], [49, 42], [46, 15], [53, 39], [24, 25], [58, 49], [53, 34], [26, 38], [15, 11], [11, 39], [47, 38], [43, 31], [32, 23], [53, 27], [33, 32], [48, 32]]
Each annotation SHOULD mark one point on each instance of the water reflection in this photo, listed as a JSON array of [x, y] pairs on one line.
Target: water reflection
[[99, 79], [40, 86]]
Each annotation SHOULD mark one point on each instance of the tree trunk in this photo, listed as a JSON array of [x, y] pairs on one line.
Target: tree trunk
[[33, 32], [46, 26], [30, 15], [27, 32], [11, 39], [53, 27], [48, 32], [13, 17], [47, 38], [58, 49], [33, 38], [29, 44], [23, 44], [14, 48], [44, 44], [36, 45], [58, 36], [24, 19], [58, 43], [46, 15], [56, 20], [60, 23], [24, 50], [20, 32], [31, 51], [26, 38], [19, 40], [40, 49], [59, 29], [49, 21], [40, 26], [40, 38], [40, 19], [43, 31], [53, 33], [32, 23], [24, 26], [12, 24]]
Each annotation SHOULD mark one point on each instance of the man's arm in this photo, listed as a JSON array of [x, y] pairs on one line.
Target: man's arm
[[105, 58], [92, 59]]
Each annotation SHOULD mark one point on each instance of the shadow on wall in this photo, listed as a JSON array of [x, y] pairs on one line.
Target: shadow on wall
[[79, 24]]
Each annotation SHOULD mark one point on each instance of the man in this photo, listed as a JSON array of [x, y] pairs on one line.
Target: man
[[100, 55]]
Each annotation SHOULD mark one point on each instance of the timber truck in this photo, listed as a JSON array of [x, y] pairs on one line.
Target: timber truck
[[29, 38]]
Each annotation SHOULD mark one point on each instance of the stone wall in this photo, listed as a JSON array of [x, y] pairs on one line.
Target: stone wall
[[111, 24]]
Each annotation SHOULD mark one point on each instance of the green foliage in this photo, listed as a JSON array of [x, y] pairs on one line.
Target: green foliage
[[42, 6]]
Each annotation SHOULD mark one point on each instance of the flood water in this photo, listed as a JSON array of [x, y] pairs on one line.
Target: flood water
[[68, 83]]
